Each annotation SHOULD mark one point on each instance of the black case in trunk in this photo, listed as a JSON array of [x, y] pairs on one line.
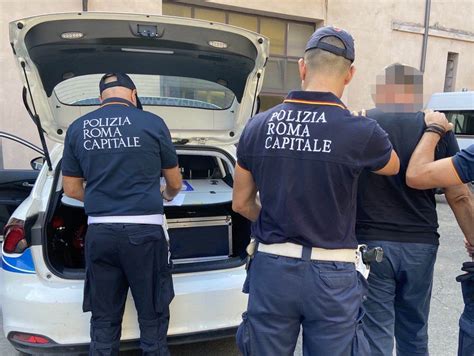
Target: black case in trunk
[[200, 238]]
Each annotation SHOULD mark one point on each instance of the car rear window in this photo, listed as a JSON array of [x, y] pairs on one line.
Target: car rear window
[[463, 121], [154, 90]]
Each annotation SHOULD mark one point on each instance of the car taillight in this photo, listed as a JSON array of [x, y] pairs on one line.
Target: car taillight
[[29, 338], [14, 240]]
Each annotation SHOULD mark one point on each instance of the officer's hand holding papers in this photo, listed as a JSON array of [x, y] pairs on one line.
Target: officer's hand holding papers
[[177, 200]]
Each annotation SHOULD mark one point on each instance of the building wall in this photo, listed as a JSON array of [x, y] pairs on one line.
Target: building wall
[[371, 22], [378, 45]]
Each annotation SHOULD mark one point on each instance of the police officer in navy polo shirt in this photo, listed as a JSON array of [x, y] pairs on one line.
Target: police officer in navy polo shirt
[[120, 151], [304, 157]]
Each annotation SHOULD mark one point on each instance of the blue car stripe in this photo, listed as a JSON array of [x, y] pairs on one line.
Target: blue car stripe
[[21, 264]]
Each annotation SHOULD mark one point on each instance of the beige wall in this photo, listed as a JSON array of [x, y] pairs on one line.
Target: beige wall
[[377, 45], [370, 22]]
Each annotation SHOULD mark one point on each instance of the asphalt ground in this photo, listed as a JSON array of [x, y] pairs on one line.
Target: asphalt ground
[[446, 305]]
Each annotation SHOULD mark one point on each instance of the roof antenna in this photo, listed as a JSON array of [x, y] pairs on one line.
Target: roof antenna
[[34, 116], [84, 5]]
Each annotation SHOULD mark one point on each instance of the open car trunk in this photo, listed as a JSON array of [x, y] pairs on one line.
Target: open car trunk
[[205, 234]]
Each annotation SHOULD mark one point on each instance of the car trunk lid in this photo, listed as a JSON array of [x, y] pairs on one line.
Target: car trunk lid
[[211, 72]]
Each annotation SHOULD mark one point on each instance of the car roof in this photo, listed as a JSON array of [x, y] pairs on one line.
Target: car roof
[[463, 100]]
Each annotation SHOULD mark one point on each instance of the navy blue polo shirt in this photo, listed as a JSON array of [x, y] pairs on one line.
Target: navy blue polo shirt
[[464, 164], [305, 156], [120, 151]]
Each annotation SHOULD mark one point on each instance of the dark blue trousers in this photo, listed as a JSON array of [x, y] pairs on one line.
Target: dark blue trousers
[[399, 297], [119, 257], [285, 293], [466, 333], [466, 322]]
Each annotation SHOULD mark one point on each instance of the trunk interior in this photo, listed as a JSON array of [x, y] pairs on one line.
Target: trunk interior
[[205, 234]]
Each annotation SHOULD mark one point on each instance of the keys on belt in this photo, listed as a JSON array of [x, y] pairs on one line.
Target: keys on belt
[[251, 249]]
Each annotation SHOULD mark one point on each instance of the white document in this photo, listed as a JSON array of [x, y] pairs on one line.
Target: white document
[[177, 201]]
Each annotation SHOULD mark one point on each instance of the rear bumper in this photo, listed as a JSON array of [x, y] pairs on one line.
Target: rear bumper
[[205, 303], [72, 349]]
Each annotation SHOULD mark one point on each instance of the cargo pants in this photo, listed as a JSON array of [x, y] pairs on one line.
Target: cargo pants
[[119, 257]]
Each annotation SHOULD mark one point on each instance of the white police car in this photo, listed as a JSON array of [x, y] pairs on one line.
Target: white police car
[[202, 78]]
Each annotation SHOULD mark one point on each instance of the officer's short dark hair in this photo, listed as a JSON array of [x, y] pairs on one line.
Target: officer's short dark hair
[[327, 62]]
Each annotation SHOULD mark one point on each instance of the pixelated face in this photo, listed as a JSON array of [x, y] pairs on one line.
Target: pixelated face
[[400, 89]]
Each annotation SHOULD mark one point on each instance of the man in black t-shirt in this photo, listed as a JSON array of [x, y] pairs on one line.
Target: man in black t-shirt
[[304, 157], [403, 221], [121, 151]]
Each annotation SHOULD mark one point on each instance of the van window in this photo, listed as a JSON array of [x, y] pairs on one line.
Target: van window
[[463, 121], [155, 90]]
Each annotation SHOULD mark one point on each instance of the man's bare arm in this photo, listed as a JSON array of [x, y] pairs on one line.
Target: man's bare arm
[[244, 196], [423, 171], [461, 201], [74, 187], [174, 182], [392, 167]]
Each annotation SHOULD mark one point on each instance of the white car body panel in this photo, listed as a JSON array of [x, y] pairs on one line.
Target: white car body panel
[[204, 301]]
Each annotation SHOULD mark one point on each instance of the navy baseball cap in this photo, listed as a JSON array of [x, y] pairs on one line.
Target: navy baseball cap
[[315, 42], [123, 80]]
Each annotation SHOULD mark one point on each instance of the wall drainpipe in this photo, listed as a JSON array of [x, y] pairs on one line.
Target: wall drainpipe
[[425, 36]]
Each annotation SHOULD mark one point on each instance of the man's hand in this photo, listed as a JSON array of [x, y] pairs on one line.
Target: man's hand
[[173, 185], [423, 171], [469, 247], [363, 112], [437, 118]]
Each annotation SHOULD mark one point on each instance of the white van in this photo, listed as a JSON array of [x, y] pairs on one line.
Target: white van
[[202, 78], [459, 109]]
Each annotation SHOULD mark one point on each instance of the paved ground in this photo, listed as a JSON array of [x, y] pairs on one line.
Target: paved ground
[[446, 304]]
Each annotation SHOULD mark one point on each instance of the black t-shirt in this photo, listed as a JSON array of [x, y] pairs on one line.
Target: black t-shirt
[[387, 209], [305, 156], [120, 151]]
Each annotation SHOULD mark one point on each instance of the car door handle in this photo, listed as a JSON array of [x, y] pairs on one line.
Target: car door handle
[[27, 185]]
